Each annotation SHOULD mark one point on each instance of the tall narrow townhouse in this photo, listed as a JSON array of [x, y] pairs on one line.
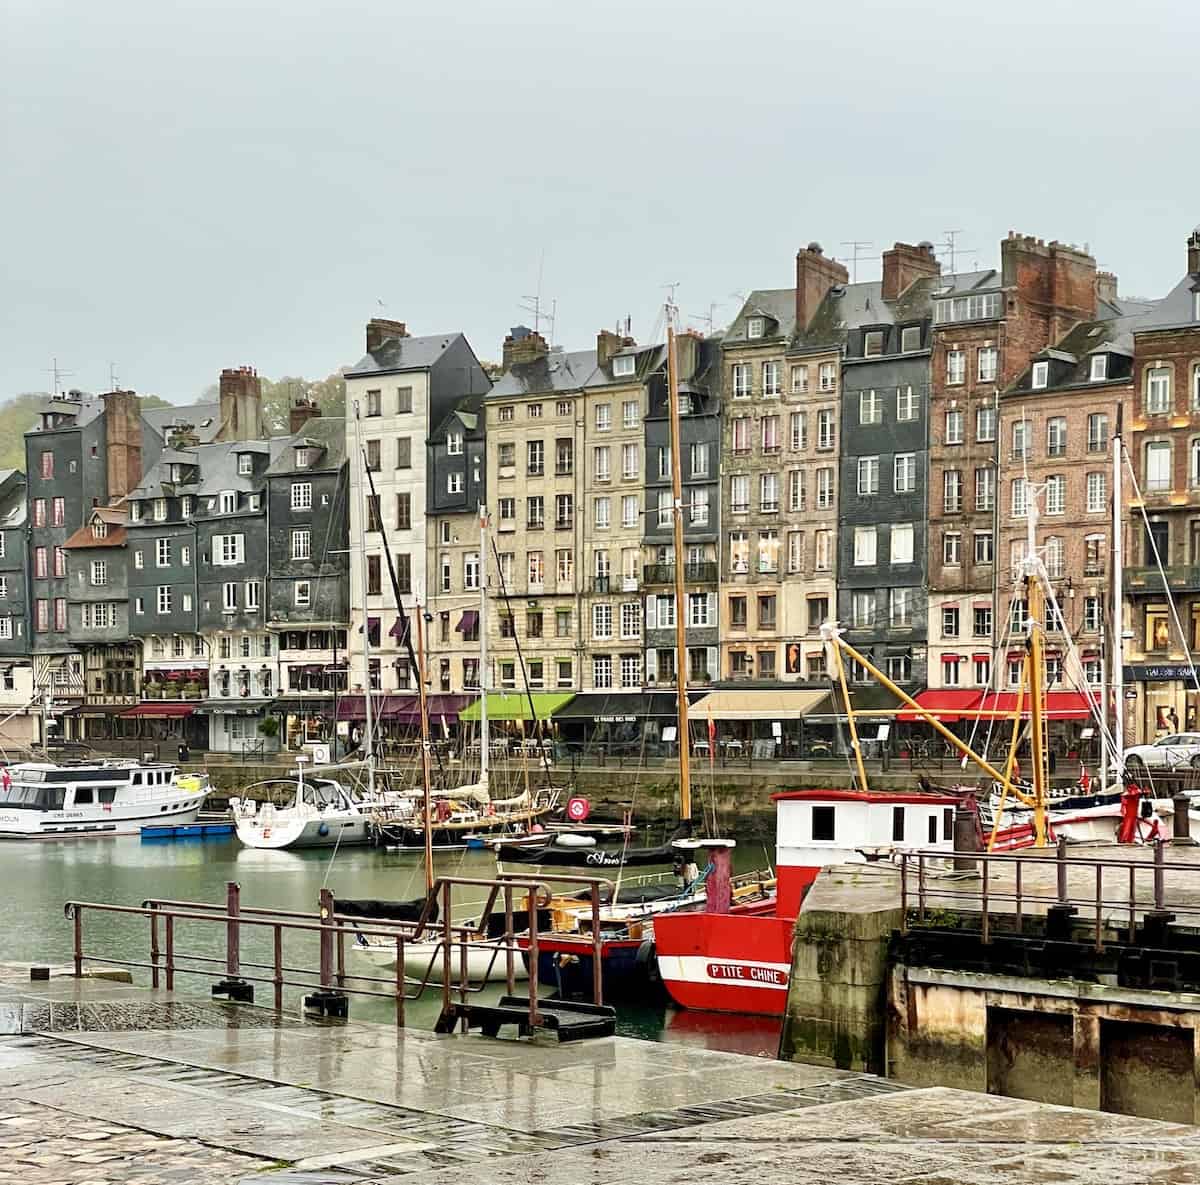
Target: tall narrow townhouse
[[20, 718], [813, 414], [98, 626], [535, 448], [699, 366], [612, 414], [987, 326], [881, 566], [1056, 422], [402, 388], [1164, 447], [457, 489], [308, 572]]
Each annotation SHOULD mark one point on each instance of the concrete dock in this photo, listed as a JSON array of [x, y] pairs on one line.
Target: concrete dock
[[105, 1083]]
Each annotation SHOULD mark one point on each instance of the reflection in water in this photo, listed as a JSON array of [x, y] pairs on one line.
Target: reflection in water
[[43, 875]]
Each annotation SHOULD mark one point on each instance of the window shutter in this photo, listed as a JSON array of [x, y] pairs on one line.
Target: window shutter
[[711, 662], [652, 613], [711, 609]]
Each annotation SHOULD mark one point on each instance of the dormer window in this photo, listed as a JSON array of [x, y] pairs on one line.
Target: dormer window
[[245, 464], [755, 327], [99, 529], [1099, 369], [624, 364], [454, 444], [1196, 305], [1041, 375], [228, 502], [873, 343], [303, 457], [910, 339], [177, 473], [160, 510], [135, 511], [185, 505]]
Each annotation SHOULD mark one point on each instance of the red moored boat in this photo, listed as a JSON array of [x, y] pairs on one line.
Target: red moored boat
[[738, 959]]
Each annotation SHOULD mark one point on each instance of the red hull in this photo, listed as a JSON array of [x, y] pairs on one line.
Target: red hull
[[725, 962]]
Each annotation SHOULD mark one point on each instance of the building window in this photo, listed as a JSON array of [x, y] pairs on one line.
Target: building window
[[985, 424], [795, 551], [870, 407], [798, 431], [162, 553], [403, 452], [910, 339], [983, 547], [39, 512], [768, 492], [253, 596], [602, 513], [988, 358], [1054, 557], [303, 594], [1096, 493], [950, 672], [60, 614], [535, 512], [862, 609], [950, 622], [564, 456], [60, 562], [630, 412], [698, 456], [603, 417], [404, 513], [454, 483], [697, 507], [985, 488], [535, 453], [1158, 390], [755, 326], [301, 544], [1091, 614], [827, 376], [898, 669], [301, 495], [799, 380], [872, 343], [907, 404], [904, 478], [825, 433], [952, 491], [374, 576], [533, 411], [1158, 466], [741, 380], [900, 607], [1019, 498], [797, 491], [864, 547], [1098, 370], [229, 550], [771, 441], [954, 427], [471, 571], [1094, 554], [902, 543], [824, 489], [59, 509], [1041, 375], [1097, 437], [956, 367], [1056, 436], [868, 476], [741, 434], [952, 549]]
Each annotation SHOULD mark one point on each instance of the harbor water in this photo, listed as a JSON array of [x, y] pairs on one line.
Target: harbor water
[[41, 876]]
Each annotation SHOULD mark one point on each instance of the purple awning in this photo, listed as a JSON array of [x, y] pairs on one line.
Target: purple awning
[[468, 621]]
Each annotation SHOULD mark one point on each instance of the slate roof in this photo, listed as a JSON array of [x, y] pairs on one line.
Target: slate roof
[[218, 468], [13, 506], [776, 304], [1175, 309], [205, 419], [847, 307], [962, 283], [558, 371], [404, 353], [327, 433]]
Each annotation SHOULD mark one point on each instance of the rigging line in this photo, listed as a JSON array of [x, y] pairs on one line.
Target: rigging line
[[521, 660], [405, 625], [1162, 575]]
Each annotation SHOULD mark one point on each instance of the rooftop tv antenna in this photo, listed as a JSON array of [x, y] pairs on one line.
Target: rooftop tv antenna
[[856, 244], [708, 318], [533, 304], [59, 374], [951, 247], [112, 377]]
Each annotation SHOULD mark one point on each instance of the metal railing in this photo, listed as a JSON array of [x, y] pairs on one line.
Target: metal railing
[[1003, 904], [331, 929]]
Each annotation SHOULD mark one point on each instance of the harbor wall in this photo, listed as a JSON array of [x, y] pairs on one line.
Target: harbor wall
[[1067, 1042]]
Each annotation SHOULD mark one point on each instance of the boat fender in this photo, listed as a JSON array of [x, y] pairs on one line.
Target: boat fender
[[647, 960], [562, 959], [323, 829]]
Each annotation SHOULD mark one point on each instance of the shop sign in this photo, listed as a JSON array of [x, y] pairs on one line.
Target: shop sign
[[1157, 674], [614, 719]]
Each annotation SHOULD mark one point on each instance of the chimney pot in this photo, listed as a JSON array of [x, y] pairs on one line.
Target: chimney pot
[[380, 330]]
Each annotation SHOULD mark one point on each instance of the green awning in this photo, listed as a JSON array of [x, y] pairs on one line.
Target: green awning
[[510, 706]]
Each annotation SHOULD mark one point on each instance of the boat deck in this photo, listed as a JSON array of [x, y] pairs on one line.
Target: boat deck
[[109, 1082]]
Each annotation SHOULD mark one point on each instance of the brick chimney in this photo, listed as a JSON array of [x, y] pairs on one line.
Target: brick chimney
[[1194, 252], [380, 330], [122, 442], [301, 412], [815, 275], [905, 263], [523, 345], [1106, 286], [1056, 280], [609, 343], [241, 405]]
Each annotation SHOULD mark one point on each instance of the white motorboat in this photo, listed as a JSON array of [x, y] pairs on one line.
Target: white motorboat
[[47, 800], [316, 813], [486, 961]]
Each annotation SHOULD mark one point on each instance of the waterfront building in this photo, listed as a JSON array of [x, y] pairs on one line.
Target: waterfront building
[[1164, 524], [308, 572], [402, 388], [19, 711]]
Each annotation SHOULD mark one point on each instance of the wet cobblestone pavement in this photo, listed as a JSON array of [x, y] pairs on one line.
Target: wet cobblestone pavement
[[132, 1086]]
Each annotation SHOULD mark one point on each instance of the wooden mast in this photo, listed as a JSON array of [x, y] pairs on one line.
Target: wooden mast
[[420, 614], [685, 782]]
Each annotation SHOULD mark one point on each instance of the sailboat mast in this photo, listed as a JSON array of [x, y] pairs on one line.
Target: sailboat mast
[[1117, 646], [420, 614], [1036, 669], [484, 741], [685, 782], [362, 559]]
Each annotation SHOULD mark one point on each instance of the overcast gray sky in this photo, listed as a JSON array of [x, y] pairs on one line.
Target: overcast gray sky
[[196, 185]]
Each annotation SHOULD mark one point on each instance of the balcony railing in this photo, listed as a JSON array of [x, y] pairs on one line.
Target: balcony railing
[[601, 584], [1183, 577], [702, 573]]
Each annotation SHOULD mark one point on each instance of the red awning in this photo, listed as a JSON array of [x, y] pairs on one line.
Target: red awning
[[383, 707], [946, 703], [163, 711], [1060, 705], [442, 706]]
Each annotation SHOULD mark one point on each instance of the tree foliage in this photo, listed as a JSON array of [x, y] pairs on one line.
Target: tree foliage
[[280, 394]]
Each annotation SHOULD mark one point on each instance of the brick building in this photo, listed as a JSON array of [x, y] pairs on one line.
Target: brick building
[[1164, 447]]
